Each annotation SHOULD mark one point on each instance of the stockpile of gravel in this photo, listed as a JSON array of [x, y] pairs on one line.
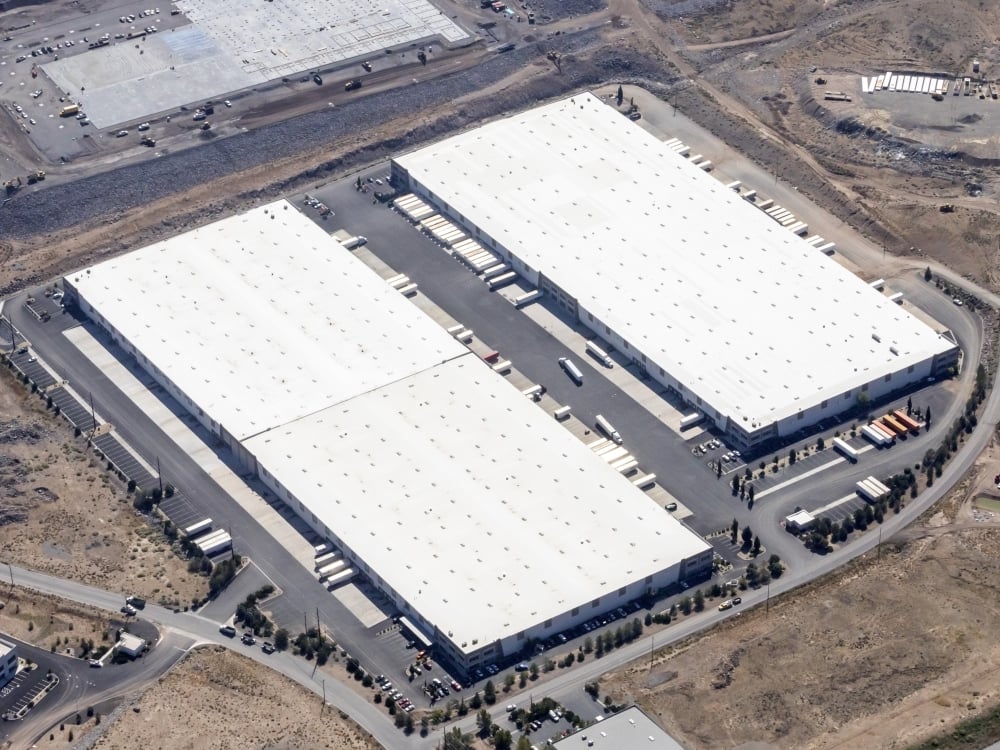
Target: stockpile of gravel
[[115, 192]]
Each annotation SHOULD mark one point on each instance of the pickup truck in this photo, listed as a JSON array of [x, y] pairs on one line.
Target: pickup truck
[[136, 602]]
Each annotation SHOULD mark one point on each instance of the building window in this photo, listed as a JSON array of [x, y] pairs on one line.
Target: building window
[[800, 415], [888, 377], [847, 396], [595, 604], [576, 610], [621, 591], [625, 344], [823, 405], [548, 624]]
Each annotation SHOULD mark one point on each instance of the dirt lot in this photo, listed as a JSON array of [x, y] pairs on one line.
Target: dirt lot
[[49, 622], [220, 694], [61, 513], [901, 156], [887, 653]]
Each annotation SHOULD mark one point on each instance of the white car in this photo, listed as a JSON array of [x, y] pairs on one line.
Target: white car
[[121, 134]]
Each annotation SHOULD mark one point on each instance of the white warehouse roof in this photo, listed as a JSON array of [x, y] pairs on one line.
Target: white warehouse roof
[[630, 729], [468, 500], [471, 502], [261, 318], [742, 312]]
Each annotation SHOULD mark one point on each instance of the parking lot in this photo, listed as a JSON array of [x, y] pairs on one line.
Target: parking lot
[[26, 689]]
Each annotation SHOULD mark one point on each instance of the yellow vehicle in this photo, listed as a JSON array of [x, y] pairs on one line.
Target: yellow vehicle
[[69, 110], [728, 604]]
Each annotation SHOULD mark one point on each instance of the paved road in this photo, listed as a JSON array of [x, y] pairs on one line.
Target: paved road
[[184, 630]]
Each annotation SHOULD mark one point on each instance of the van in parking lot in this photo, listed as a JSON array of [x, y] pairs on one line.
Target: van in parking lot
[[571, 369]]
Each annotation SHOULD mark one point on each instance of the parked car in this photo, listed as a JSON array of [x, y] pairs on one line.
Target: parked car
[[228, 630]]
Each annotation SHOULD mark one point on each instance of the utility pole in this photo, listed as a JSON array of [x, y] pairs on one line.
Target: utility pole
[[651, 652], [10, 568], [878, 549], [323, 707], [159, 476]]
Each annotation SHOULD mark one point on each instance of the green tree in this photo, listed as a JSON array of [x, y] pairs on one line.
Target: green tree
[[756, 546], [718, 468], [281, 639], [699, 600], [523, 743], [736, 483], [927, 418], [456, 740], [747, 535], [502, 740], [750, 492], [620, 97], [508, 681], [734, 530], [533, 670], [820, 444], [927, 271], [483, 721], [792, 456], [489, 693]]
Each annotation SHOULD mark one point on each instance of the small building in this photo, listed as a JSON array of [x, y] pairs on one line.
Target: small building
[[131, 645], [800, 520], [8, 661], [630, 729]]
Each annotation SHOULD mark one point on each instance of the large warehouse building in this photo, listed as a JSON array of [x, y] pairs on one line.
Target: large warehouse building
[[700, 289], [484, 520]]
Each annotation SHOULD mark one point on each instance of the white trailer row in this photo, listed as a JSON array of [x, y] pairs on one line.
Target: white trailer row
[[522, 300], [197, 529], [331, 569], [325, 559], [644, 481], [214, 543], [912, 84], [502, 280], [877, 435], [339, 578], [871, 489], [690, 420], [413, 208], [850, 453]]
